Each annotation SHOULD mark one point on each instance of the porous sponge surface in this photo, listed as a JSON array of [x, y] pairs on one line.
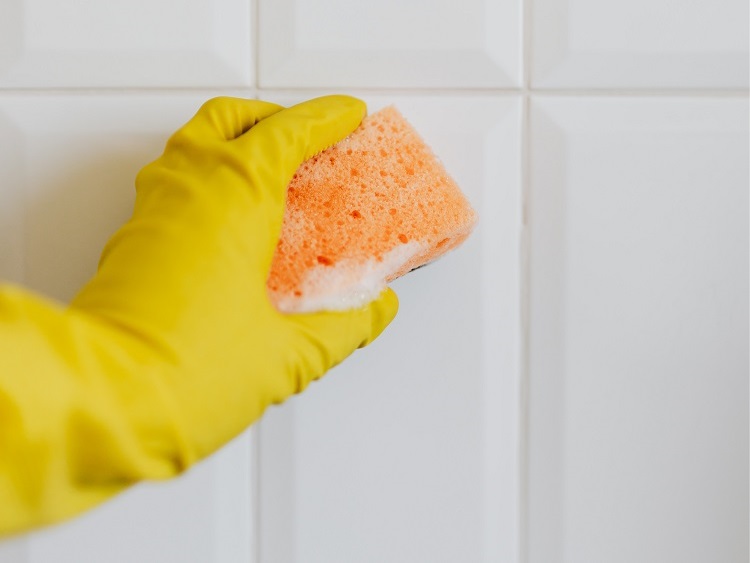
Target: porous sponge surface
[[362, 213]]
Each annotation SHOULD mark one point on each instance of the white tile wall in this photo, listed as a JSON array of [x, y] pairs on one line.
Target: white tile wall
[[415, 438], [638, 344], [568, 386], [646, 44], [66, 181], [204, 516], [390, 43], [125, 44], [69, 170]]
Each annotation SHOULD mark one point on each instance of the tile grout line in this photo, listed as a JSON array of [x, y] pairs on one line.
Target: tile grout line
[[255, 486], [524, 296], [256, 549], [526, 40], [255, 42], [255, 441], [523, 281], [526, 94], [413, 92]]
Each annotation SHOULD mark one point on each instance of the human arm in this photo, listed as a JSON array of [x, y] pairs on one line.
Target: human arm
[[172, 348]]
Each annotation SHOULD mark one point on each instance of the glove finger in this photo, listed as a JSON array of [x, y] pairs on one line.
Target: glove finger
[[278, 145], [225, 118], [325, 339]]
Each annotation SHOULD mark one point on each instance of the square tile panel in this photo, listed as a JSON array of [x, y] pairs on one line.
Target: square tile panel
[[392, 43], [66, 183], [202, 516], [134, 44], [76, 158], [410, 446], [638, 350], [639, 44]]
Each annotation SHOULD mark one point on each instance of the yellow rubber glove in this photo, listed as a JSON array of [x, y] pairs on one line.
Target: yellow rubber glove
[[173, 348]]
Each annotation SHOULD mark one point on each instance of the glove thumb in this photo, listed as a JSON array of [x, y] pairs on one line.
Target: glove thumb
[[325, 339]]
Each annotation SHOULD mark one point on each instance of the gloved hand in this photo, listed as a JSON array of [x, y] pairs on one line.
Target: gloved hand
[[173, 347]]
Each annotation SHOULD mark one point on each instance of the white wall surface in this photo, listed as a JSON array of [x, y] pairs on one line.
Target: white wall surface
[[569, 386]]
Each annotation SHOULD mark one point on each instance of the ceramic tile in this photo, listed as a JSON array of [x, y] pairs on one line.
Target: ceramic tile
[[70, 163], [638, 349], [135, 44], [415, 44], [639, 44], [415, 438]]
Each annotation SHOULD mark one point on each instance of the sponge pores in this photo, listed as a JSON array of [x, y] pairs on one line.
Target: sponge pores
[[362, 213]]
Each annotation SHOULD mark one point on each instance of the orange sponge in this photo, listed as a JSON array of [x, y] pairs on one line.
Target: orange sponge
[[362, 213]]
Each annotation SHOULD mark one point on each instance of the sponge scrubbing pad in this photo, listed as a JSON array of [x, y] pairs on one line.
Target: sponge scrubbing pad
[[362, 213]]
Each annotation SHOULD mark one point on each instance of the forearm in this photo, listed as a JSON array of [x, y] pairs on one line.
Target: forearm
[[121, 385], [82, 412], [173, 348]]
